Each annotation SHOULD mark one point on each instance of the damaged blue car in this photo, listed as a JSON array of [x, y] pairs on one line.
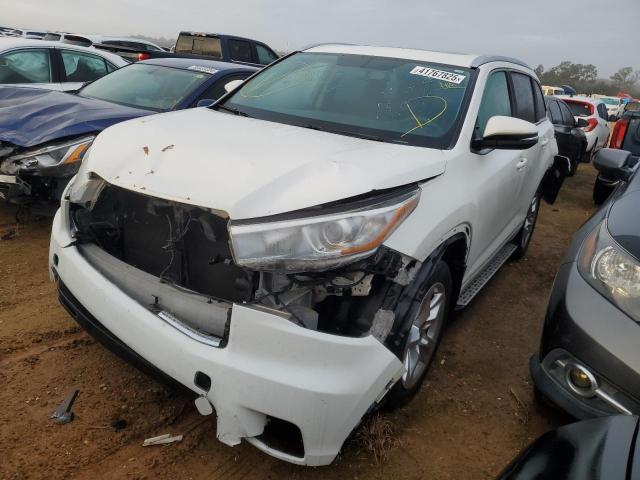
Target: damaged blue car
[[44, 135]]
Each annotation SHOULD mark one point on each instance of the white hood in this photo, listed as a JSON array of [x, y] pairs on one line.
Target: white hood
[[247, 167]]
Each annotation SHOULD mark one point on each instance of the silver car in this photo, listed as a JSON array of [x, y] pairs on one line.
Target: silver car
[[52, 65]]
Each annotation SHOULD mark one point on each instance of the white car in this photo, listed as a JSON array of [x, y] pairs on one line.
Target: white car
[[33, 63], [594, 112], [292, 253], [611, 103]]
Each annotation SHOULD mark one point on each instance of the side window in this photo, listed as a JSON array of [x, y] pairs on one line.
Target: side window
[[541, 110], [495, 100], [110, 67], [602, 110], [556, 115], [216, 90], [240, 51], [567, 116], [265, 55], [525, 107], [82, 67], [25, 66]]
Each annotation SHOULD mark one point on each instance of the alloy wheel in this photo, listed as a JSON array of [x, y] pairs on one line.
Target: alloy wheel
[[423, 336]]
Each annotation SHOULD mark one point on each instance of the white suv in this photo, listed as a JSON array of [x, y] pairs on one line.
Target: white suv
[[292, 253]]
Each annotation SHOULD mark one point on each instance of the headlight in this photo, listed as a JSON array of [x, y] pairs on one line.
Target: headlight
[[322, 241], [611, 270], [66, 153]]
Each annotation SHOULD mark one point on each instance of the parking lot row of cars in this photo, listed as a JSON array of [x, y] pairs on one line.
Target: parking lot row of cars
[[289, 242]]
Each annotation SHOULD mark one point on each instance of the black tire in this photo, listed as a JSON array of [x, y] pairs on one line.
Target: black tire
[[406, 388], [523, 238], [601, 191]]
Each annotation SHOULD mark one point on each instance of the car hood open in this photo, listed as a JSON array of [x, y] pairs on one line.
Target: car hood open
[[250, 168], [30, 117]]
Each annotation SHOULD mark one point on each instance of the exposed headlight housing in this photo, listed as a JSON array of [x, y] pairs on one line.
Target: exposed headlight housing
[[65, 153], [611, 270], [320, 241]]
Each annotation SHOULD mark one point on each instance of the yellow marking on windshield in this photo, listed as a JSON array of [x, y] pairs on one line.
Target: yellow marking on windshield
[[419, 123]]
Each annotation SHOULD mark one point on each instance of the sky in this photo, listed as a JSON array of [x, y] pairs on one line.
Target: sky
[[537, 31]]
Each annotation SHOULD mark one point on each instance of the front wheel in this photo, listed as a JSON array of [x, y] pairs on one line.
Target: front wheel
[[419, 347], [523, 239]]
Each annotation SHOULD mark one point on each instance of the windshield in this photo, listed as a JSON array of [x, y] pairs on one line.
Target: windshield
[[388, 99], [146, 86]]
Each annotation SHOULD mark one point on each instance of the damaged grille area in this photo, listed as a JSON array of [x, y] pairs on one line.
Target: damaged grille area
[[181, 244]]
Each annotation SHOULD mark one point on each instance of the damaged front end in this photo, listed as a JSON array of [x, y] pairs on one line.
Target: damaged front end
[[293, 319], [312, 267], [40, 174]]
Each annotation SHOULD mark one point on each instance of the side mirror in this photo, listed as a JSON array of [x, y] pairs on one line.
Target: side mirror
[[613, 164], [582, 122], [507, 133], [232, 85], [205, 102], [613, 118]]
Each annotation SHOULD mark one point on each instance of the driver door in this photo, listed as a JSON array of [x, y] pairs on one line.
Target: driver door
[[496, 179]]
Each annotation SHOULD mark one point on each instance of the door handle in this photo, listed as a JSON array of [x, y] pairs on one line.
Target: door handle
[[521, 164]]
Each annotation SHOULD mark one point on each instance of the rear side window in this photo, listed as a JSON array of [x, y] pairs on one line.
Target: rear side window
[[265, 55], [602, 110], [567, 116], [554, 112], [541, 110], [199, 45], [25, 66], [81, 67], [240, 51], [495, 100], [523, 93]]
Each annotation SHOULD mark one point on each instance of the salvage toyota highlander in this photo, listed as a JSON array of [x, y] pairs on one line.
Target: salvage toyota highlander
[[292, 253]]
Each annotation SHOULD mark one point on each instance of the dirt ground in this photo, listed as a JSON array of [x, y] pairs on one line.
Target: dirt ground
[[474, 414]]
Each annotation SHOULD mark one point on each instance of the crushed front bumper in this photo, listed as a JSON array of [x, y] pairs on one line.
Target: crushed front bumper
[[269, 368]]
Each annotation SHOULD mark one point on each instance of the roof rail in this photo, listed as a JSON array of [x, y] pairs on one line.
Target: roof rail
[[481, 60]]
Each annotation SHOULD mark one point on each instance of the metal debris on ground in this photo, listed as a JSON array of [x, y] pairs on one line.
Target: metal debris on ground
[[162, 440], [63, 413], [8, 234]]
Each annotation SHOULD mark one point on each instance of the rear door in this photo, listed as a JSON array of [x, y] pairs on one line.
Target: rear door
[[562, 131], [532, 162], [79, 68], [574, 147], [28, 67]]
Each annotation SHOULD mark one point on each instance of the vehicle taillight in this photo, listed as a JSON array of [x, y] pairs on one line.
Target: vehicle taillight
[[591, 124], [619, 131], [143, 56]]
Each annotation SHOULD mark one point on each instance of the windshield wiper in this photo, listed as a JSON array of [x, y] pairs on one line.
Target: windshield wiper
[[364, 136], [235, 111]]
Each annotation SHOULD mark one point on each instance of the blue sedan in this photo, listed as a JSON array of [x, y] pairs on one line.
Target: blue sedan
[[45, 134]]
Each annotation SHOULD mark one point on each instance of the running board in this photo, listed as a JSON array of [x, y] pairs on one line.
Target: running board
[[478, 283]]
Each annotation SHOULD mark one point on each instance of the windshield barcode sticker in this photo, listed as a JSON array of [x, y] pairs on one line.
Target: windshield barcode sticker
[[438, 74]]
